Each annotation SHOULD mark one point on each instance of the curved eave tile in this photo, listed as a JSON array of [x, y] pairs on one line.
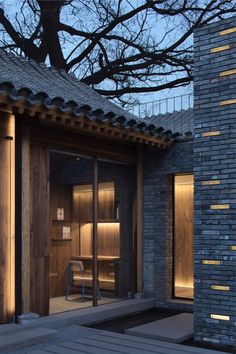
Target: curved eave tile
[[84, 111]]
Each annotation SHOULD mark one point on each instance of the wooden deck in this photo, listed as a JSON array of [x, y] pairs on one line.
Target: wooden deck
[[64, 333], [90, 341]]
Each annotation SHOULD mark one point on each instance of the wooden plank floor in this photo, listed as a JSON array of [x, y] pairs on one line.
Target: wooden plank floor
[[101, 342], [59, 304]]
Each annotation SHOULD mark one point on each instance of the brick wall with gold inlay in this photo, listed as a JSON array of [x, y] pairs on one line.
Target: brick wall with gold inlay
[[215, 182]]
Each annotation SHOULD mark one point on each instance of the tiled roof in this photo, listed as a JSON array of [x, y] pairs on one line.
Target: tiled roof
[[177, 121], [35, 84]]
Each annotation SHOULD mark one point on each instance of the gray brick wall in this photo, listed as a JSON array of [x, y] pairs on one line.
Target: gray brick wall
[[159, 169], [215, 159]]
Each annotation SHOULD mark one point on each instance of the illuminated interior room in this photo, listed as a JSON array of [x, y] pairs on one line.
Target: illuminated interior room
[[71, 214]]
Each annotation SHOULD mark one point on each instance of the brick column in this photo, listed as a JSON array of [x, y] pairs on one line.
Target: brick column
[[215, 182]]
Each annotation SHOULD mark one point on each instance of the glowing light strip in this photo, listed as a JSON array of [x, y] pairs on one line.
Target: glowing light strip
[[227, 102], [228, 31], [211, 262], [220, 49], [219, 206], [213, 133], [227, 72], [220, 287], [220, 317], [210, 183], [77, 277]]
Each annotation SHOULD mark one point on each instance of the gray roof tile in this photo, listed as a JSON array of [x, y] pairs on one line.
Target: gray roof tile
[[36, 83]]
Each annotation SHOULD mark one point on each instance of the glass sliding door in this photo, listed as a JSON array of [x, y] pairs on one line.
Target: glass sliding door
[[183, 236], [71, 207], [91, 228], [117, 192]]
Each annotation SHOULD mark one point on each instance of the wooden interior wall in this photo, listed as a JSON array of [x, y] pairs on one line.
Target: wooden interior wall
[[108, 239], [7, 214], [40, 240], [61, 249], [183, 231], [108, 232]]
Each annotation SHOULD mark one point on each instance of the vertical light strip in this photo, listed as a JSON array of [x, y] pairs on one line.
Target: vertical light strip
[[12, 216]]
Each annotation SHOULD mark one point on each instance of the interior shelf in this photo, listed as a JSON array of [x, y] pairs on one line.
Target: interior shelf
[[55, 220], [102, 221], [61, 239]]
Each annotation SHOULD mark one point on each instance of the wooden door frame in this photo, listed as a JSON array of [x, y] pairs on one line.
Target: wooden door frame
[[30, 140]]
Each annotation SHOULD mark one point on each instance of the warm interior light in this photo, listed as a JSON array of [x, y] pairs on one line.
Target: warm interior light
[[232, 248], [220, 49], [220, 287], [183, 231], [220, 317], [184, 179], [211, 262], [108, 239], [7, 216], [80, 277]]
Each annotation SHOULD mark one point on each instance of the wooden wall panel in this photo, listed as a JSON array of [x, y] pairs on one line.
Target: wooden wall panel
[[40, 200], [7, 217], [40, 285], [139, 220], [184, 233], [61, 250], [40, 236]]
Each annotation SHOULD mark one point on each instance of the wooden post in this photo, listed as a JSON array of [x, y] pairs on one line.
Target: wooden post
[[25, 212], [40, 235], [7, 216], [95, 220], [140, 221]]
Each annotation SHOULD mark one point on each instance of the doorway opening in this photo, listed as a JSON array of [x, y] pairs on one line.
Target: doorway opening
[[91, 230]]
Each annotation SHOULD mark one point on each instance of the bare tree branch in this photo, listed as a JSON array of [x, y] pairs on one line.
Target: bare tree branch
[[119, 47]]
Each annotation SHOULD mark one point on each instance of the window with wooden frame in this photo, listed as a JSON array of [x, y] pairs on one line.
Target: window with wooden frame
[[183, 236]]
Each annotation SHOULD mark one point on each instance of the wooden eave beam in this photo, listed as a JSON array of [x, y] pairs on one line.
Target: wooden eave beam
[[81, 123]]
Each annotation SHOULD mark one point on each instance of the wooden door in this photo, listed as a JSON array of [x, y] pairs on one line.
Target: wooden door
[[39, 162], [7, 216]]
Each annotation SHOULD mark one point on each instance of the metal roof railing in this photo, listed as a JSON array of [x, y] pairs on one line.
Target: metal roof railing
[[163, 106]]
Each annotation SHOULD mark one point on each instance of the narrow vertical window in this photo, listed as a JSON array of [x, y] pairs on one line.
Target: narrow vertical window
[[183, 236]]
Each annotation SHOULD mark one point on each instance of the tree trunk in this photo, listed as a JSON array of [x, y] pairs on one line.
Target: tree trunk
[[50, 16]]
